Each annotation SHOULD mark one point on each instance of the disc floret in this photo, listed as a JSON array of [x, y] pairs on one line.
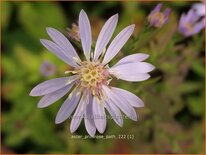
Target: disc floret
[[92, 75]]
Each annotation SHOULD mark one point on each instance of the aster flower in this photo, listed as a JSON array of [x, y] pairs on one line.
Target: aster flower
[[90, 93], [191, 24], [47, 68], [157, 18]]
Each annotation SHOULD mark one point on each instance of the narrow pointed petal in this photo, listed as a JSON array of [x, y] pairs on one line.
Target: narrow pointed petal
[[132, 99], [59, 52], [105, 35], [132, 58], [50, 86], [85, 33], [132, 68], [114, 112], [118, 43], [63, 42], [156, 9], [133, 77], [199, 26], [78, 115], [99, 115], [121, 103], [54, 96], [89, 118], [67, 107]]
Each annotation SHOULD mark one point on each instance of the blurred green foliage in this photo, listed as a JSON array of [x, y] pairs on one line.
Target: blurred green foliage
[[173, 118]]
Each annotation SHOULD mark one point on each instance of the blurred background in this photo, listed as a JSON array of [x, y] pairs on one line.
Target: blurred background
[[172, 120]]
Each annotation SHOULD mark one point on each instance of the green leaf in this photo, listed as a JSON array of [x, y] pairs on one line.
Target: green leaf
[[6, 14], [196, 105], [35, 17]]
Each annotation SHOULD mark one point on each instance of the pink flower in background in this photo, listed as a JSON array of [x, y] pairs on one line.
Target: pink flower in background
[[90, 93], [191, 23], [157, 18], [47, 68], [73, 32]]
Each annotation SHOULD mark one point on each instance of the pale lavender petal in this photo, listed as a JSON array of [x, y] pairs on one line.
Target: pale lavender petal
[[89, 118], [131, 68], [50, 86], [99, 115], [62, 42], [121, 103], [114, 112], [199, 9], [85, 33], [132, 58], [67, 107], [54, 96], [78, 115], [105, 35], [133, 77], [132, 99], [59, 52], [118, 43]]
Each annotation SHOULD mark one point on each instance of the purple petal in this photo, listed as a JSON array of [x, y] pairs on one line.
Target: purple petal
[[114, 112], [50, 86], [182, 20], [67, 107], [62, 42], [199, 26], [156, 9], [78, 115], [89, 118], [132, 99], [54, 96], [167, 12], [191, 17], [118, 43], [133, 77], [105, 35], [85, 33], [131, 68], [59, 52], [132, 58], [99, 115], [121, 103]]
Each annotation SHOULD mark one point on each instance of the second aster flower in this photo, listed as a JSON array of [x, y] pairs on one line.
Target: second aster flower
[[191, 23], [157, 18], [90, 93]]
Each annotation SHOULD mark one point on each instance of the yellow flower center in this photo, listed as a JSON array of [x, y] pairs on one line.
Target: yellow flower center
[[92, 75]]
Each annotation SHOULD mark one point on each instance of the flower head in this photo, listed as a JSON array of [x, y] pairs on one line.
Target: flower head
[[47, 68], [90, 93], [157, 18], [191, 24], [73, 32]]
